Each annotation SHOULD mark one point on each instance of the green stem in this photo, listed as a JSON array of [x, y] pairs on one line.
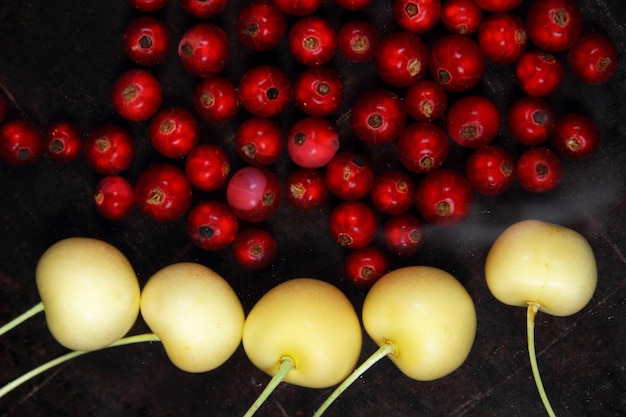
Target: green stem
[[383, 351], [286, 365], [37, 308], [530, 328], [147, 337]]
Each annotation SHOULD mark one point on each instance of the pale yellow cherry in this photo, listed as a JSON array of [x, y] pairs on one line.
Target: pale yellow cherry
[[89, 291], [196, 314]]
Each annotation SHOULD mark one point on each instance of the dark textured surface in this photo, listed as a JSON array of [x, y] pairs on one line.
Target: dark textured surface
[[58, 59]]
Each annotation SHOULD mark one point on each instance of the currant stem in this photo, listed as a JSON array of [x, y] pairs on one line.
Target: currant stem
[[147, 337], [37, 308], [530, 327], [286, 365], [382, 352]]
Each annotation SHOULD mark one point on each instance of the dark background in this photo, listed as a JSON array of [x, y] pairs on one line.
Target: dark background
[[59, 59]]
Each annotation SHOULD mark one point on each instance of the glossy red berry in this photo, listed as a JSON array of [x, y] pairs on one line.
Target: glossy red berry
[[502, 37], [425, 101], [530, 120], [593, 58], [203, 9], [114, 197], [109, 149], [259, 141], [393, 192], [207, 167], [254, 193], [264, 90], [576, 135], [312, 40], [174, 132], [461, 16], [145, 40], [358, 40], [403, 234], [498, 6], [401, 59], [306, 188], [148, 6], [261, 25], [473, 121], [204, 50], [423, 147], [539, 73], [353, 5], [215, 99], [364, 266], [318, 91], [312, 142], [254, 249], [212, 225], [378, 117], [539, 170], [416, 16], [21, 142], [456, 62], [349, 176], [353, 224], [554, 25], [63, 142], [444, 196], [136, 95], [163, 193], [298, 7], [490, 170]]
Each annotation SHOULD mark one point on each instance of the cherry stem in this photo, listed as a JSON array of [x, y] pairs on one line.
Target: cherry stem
[[37, 308], [286, 365], [146, 337], [384, 350], [530, 328]]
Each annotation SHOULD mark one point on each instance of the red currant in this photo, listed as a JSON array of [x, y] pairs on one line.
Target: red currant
[[530, 120], [490, 170], [298, 7], [444, 196], [498, 6], [21, 143], [136, 95], [145, 40], [63, 142], [147, 6], [261, 25], [403, 234], [174, 132], [204, 50], [425, 101], [539, 170], [423, 147], [264, 90], [114, 197], [364, 266], [109, 149], [593, 58], [576, 135], [554, 25], [539, 73], [401, 59], [203, 9], [473, 121], [254, 249], [353, 224], [212, 225], [312, 142], [306, 188], [502, 37], [393, 192], [163, 193], [349, 176], [417, 16], [215, 99], [358, 40], [207, 167], [318, 91], [378, 117], [461, 16], [312, 41], [253, 193], [259, 141], [456, 62]]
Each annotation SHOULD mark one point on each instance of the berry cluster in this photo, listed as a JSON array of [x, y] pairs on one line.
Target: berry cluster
[[423, 105]]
